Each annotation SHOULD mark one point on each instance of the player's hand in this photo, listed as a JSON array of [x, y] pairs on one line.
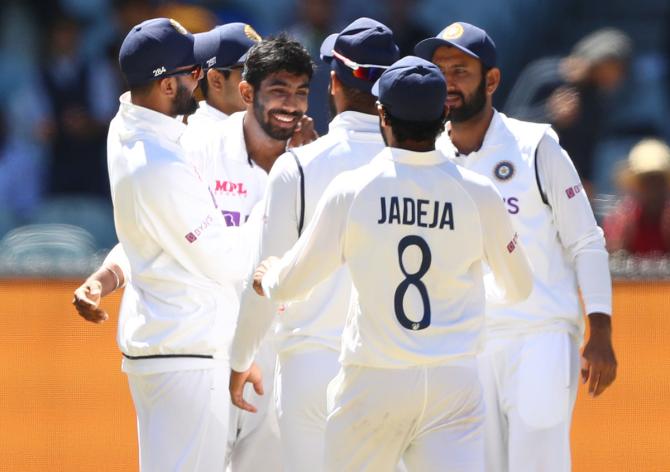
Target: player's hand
[[87, 300], [304, 133], [236, 387], [598, 360], [260, 272]]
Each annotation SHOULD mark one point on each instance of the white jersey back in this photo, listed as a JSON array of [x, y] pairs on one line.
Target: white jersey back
[[413, 229]]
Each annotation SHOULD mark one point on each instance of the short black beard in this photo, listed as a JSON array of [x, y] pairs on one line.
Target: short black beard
[[184, 102], [472, 107], [280, 134]]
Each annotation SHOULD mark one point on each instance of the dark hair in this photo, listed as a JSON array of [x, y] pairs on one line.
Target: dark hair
[[142, 89], [276, 54], [358, 100], [404, 130]]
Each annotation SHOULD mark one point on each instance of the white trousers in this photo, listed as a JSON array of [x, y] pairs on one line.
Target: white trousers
[[253, 441], [182, 419], [530, 385], [302, 380], [430, 417]]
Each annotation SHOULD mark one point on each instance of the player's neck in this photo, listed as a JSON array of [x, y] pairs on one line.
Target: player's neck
[[261, 148], [468, 136]]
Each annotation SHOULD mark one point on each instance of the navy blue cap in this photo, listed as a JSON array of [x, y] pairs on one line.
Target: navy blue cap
[[154, 48], [412, 89], [468, 38], [225, 46], [365, 41]]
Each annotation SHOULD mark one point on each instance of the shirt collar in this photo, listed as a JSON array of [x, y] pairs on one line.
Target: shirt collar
[[233, 137], [140, 118], [494, 137], [415, 158], [208, 112], [355, 121]]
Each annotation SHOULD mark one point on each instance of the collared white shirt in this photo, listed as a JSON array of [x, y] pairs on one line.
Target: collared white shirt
[[184, 259], [413, 229], [565, 246]]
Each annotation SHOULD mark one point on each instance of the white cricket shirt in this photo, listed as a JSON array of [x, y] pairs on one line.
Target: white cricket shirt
[[353, 139], [563, 242], [413, 229], [185, 261]]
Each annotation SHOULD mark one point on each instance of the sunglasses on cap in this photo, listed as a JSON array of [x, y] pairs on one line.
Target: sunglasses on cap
[[369, 72], [195, 71]]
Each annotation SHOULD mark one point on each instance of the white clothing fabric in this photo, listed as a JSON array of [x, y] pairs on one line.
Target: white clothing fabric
[[182, 418], [302, 380], [236, 182], [530, 386], [529, 367], [184, 260], [559, 237], [414, 230], [430, 417], [353, 139]]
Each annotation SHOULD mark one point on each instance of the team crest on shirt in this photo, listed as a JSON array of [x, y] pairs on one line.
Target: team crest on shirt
[[503, 170], [251, 33], [453, 31]]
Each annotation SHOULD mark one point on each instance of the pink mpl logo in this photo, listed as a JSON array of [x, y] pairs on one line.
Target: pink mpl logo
[[190, 237]]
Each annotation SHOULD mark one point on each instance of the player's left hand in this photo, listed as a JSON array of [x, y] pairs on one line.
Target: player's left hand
[[304, 133], [236, 386], [260, 272], [598, 360]]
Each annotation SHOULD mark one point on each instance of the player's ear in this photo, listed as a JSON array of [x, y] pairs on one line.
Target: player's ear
[[492, 80], [335, 83], [214, 79], [381, 111], [247, 92], [168, 86]]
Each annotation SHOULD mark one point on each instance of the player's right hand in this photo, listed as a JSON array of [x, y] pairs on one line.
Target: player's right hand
[[260, 272], [236, 386], [87, 300]]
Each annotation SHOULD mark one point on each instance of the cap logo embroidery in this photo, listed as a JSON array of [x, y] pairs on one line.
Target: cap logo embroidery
[[211, 61], [178, 26], [503, 170], [159, 71], [453, 31], [251, 33]]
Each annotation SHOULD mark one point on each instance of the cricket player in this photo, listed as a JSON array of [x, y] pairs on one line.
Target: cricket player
[[276, 67], [309, 333], [175, 322], [530, 366], [413, 230]]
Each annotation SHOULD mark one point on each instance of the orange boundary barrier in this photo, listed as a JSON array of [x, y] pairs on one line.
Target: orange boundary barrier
[[65, 404]]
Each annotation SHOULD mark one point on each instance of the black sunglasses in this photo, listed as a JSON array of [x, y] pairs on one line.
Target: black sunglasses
[[195, 71]]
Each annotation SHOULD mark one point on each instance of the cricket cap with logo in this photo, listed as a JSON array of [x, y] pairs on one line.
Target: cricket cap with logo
[[225, 46], [153, 49], [360, 52], [468, 38], [412, 89]]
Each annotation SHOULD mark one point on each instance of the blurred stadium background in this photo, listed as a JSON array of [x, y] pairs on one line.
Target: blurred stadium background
[[64, 404]]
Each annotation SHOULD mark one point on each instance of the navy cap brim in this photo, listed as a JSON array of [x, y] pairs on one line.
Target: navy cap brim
[[326, 51], [426, 48]]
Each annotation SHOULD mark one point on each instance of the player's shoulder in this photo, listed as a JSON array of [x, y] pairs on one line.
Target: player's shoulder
[[525, 131], [314, 152], [478, 186]]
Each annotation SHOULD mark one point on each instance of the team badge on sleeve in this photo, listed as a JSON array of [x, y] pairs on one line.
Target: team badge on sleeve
[[503, 170]]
